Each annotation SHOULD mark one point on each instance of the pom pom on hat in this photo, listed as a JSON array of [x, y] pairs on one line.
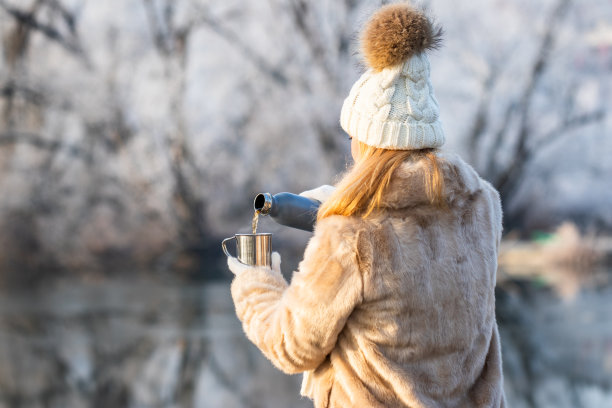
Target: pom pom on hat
[[392, 105], [397, 32]]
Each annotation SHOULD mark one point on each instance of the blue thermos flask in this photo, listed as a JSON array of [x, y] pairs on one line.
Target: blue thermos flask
[[288, 209]]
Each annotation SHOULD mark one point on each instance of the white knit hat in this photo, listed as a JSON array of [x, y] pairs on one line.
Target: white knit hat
[[392, 105]]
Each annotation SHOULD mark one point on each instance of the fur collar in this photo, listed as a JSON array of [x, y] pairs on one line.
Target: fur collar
[[407, 186]]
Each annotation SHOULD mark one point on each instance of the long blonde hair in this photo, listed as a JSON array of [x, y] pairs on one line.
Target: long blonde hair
[[361, 190]]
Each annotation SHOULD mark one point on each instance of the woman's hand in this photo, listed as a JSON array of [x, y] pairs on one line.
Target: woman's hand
[[238, 267], [320, 193]]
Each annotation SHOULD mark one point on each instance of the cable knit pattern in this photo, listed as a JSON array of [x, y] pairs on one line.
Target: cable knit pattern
[[395, 108]]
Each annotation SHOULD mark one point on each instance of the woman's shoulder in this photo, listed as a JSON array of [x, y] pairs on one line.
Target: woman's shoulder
[[347, 240], [460, 175], [341, 226], [464, 181]]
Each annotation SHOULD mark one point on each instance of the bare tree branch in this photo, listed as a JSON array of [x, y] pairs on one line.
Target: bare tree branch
[[275, 74], [66, 15], [300, 9], [29, 20], [10, 89], [481, 121], [189, 207], [160, 36], [570, 124], [32, 139], [509, 178]]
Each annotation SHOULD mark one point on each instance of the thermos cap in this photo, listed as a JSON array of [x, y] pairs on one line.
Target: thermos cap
[[263, 203]]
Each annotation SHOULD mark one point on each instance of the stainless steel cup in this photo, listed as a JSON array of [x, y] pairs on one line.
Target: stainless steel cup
[[252, 249]]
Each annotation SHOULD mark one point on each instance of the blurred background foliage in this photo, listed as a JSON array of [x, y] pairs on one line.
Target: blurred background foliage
[[139, 131], [134, 135]]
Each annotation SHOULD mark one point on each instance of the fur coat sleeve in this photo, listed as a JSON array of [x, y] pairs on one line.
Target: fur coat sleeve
[[296, 325]]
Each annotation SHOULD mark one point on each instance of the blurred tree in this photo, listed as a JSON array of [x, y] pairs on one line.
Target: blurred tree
[[141, 130], [512, 126]]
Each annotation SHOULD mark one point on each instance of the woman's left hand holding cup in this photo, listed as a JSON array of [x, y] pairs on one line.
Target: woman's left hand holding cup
[[238, 267]]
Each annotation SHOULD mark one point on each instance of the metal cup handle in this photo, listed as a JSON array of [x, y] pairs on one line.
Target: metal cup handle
[[225, 248]]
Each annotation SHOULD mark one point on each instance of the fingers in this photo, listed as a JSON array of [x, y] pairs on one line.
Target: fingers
[[235, 265], [321, 193], [238, 267], [276, 261]]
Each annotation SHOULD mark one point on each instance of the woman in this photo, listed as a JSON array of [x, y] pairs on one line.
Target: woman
[[393, 304]]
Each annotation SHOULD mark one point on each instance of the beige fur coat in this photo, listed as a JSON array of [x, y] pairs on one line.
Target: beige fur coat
[[394, 311]]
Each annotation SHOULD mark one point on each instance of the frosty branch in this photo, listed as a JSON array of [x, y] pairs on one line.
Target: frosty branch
[[28, 21], [37, 141], [507, 179], [274, 73]]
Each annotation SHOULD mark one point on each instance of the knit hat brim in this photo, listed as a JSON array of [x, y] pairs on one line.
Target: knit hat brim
[[388, 134]]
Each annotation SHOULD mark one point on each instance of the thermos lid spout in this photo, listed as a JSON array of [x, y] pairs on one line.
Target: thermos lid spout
[[263, 203]]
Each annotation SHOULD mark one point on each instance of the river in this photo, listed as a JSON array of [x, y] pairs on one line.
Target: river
[[139, 342]]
